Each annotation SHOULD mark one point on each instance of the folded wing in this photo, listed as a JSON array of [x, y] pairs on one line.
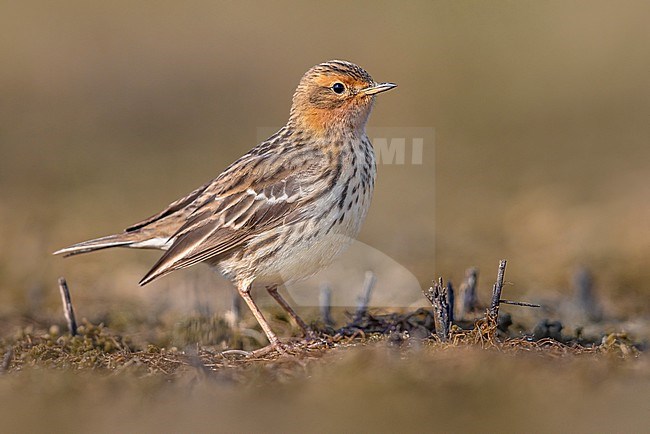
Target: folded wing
[[224, 220]]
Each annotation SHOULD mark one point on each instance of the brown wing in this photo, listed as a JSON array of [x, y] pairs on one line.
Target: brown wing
[[226, 220]]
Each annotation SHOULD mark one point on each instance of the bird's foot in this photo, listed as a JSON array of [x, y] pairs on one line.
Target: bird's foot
[[276, 346], [292, 345]]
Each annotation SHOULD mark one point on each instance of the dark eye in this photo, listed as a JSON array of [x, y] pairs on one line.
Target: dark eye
[[338, 88]]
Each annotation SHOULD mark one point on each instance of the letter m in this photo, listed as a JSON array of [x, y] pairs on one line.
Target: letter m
[[392, 152]]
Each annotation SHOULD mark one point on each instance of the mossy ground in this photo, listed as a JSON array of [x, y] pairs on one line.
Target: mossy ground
[[345, 381]]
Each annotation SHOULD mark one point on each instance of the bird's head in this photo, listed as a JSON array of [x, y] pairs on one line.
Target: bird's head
[[334, 97]]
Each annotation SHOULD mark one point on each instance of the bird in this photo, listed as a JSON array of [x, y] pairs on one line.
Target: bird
[[284, 210]]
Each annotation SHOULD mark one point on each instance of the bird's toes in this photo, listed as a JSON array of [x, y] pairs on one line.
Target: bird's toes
[[276, 346]]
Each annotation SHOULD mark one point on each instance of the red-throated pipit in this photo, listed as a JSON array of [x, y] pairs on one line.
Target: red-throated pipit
[[285, 209]]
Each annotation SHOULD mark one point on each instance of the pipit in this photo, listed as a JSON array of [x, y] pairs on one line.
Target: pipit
[[284, 210]]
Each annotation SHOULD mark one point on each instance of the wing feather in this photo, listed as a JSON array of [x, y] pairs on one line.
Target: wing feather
[[229, 220]]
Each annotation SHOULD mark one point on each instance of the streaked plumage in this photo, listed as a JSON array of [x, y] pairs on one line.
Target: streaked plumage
[[286, 208]]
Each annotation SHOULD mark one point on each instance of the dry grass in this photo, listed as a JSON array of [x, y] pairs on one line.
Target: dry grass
[[363, 381], [96, 348]]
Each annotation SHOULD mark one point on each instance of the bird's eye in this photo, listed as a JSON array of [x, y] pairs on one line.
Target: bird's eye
[[338, 88]]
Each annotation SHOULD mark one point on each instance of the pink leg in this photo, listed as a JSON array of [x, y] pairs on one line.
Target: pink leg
[[272, 337], [273, 290]]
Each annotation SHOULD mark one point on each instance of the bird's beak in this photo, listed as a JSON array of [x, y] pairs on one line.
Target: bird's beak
[[377, 88]]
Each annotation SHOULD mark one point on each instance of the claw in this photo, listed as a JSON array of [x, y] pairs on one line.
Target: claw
[[276, 346]]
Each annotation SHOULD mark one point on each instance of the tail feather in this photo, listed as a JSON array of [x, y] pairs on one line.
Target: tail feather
[[117, 240]]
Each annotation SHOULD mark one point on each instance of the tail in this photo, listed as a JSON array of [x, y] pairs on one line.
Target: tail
[[126, 239]]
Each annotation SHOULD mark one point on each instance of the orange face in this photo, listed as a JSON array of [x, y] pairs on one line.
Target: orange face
[[334, 97]]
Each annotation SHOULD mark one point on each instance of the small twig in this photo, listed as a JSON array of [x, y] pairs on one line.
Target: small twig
[[68, 311], [519, 303], [451, 299], [441, 310], [438, 297], [6, 360], [326, 304], [364, 299], [468, 299], [585, 296], [496, 291]]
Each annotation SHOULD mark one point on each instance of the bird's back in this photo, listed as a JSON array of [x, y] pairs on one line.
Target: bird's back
[[335, 188]]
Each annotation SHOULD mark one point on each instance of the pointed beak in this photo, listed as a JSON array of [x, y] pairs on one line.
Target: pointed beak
[[377, 88]]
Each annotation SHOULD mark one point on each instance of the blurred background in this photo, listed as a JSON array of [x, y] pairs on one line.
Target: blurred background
[[111, 110]]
